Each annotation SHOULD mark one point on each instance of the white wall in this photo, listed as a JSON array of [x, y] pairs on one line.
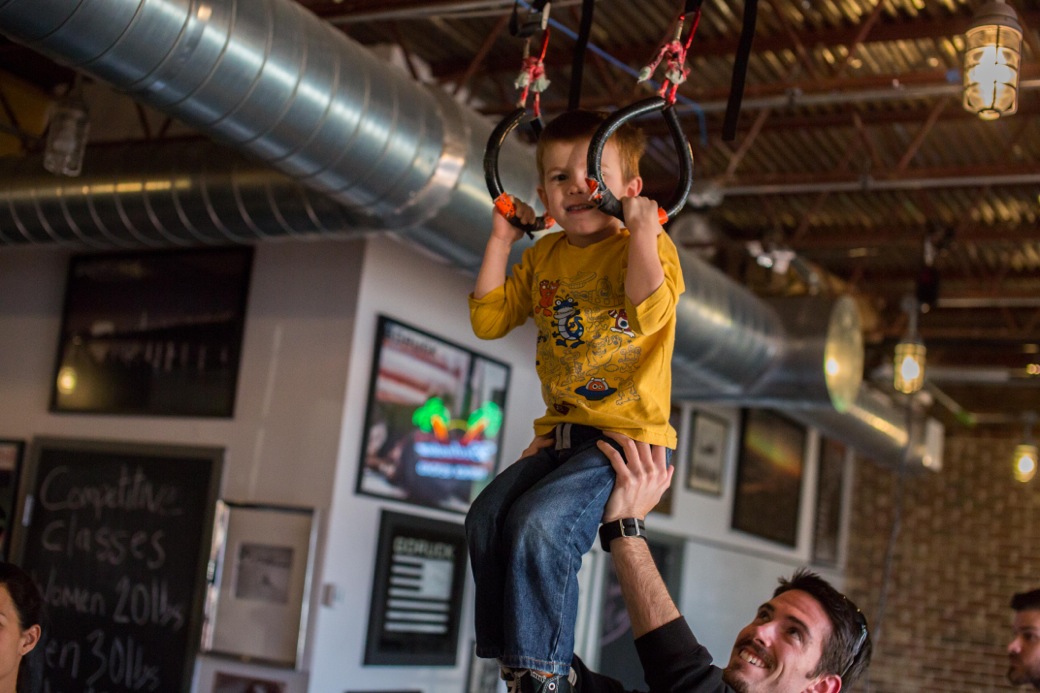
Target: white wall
[[419, 291], [282, 444], [296, 435]]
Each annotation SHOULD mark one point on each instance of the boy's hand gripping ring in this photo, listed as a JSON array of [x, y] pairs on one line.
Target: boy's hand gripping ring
[[503, 202], [601, 195]]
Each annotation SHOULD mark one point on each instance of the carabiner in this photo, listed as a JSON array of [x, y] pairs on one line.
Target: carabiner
[[601, 196], [503, 202]]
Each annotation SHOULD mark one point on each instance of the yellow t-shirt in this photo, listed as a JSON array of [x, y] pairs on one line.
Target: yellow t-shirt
[[602, 361]]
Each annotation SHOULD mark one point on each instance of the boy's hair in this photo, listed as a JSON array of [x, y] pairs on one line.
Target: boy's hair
[[581, 125], [847, 652], [1024, 601]]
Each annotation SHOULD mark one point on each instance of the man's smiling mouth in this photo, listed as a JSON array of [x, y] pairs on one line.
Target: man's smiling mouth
[[751, 658]]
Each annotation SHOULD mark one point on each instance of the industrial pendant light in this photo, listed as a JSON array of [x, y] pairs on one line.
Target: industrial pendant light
[[992, 61], [1024, 458], [67, 129], [908, 375]]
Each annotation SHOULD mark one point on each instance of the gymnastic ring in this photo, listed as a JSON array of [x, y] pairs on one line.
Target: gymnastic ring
[[601, 195], [504, 202]]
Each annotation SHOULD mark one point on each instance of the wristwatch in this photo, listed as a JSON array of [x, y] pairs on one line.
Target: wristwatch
[[625, 527]]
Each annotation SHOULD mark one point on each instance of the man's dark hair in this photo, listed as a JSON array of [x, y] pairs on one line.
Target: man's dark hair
[[847, 652], [1026, 600]]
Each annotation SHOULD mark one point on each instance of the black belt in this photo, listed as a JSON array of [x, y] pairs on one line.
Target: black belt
[[573, 435]]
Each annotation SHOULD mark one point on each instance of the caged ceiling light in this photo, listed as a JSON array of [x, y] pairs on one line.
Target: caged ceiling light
[[992, 61], [67, 128], [908, 375], [1024, 458]]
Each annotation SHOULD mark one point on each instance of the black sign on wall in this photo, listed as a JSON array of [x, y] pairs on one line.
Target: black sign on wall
[[117, 536], [417, 592]]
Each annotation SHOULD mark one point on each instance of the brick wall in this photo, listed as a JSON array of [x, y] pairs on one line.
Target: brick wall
[[968, 539]]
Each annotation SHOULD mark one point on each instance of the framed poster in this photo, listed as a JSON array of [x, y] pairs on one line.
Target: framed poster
[[433, 425], [769, 477], [256, 605], [830, 487], [155, 333], [10, 476], [420, 571], [708, 449]]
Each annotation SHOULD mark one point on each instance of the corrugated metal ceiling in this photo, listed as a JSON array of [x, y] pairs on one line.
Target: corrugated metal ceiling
[[852, 150]]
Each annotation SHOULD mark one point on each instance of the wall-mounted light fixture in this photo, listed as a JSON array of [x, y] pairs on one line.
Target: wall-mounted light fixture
[[1024, 458], [67, 126], [992, 61], [908, 366]]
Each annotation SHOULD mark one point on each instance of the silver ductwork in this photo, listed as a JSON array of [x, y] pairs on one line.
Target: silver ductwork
[[275, 82], [154, 195], [286, 89]]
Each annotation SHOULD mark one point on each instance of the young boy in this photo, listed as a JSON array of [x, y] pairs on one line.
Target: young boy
[[603, 298]]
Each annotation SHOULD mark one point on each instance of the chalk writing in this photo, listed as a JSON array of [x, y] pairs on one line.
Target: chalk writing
[[117, 541], [130, 492]]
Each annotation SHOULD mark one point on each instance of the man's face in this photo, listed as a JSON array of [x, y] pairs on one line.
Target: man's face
[[777, 650], [1024, 650]]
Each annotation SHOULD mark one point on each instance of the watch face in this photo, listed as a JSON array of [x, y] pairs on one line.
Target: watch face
[[843, 354]]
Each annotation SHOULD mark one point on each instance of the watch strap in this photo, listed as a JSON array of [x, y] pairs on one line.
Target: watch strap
[[625, 527]]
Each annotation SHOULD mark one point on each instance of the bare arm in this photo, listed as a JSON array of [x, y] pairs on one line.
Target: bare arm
[[649, 604], [645, 272], [639, 486], [492, 272]]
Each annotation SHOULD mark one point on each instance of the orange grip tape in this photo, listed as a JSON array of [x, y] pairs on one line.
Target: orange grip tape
[[505, 206]]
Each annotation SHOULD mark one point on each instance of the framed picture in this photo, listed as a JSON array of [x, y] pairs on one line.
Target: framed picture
[[769, 477], [256, 606], [157, 333], [708, 449], [483, 676], [830, 487], [433, 425], [416, 592], [234, 683], [11, 452]]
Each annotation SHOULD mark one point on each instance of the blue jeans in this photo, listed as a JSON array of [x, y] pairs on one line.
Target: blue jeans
[[527, 532]]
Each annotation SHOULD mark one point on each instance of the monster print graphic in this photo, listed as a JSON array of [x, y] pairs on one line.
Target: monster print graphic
[[596, 389], [547, 293], [621, 322], [569, 328]]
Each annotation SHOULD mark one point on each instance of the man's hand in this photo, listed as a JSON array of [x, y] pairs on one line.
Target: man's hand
[[640, 483]]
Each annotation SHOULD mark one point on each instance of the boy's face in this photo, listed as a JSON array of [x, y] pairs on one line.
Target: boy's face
[[565, 193]]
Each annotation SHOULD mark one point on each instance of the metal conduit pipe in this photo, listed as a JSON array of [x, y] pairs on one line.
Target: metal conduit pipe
[[869, 184], [281, 86], [155, 195], [272, 80]]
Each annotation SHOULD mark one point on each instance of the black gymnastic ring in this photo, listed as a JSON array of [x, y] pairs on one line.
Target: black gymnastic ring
[[494, 183], [605, 199]]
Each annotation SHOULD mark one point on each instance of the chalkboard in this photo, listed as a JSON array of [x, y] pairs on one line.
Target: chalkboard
[[117, 536]]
